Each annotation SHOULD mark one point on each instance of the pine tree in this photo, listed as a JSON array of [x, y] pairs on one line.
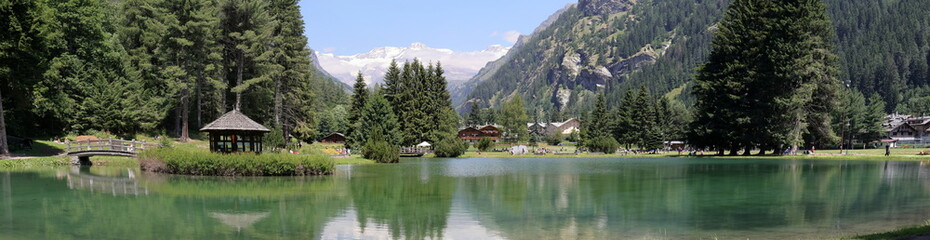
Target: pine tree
[[288, 65], [141, 30], [721, 82], [442, 117], [474, 116], [377, 119], [760, 46], [85, 85], [20, 44], [246, 29], [623, 125], [871, 127], [599, 125], [359, 100], [393, 85], [185, 51], [645, 121]]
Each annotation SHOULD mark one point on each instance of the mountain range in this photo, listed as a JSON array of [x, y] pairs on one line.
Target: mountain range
[[459, 66]]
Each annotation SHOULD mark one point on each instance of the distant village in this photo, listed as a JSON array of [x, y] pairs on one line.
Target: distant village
[[901, 130], [473, 134]]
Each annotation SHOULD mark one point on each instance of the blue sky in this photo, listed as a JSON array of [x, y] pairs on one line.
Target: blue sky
[[347, 27]]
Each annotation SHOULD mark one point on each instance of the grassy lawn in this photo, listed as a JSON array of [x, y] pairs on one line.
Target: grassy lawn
[[57, 161], [45, 153], [332, 147], [42, 148], [903, 233]]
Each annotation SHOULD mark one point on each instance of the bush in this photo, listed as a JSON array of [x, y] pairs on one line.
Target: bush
[[101, 134], [274, 140], [573, 137], [293, 145], [381, 152], [450, 148], [606, 145], [554, 139], [165, 142], [196, 162], [484, 144]]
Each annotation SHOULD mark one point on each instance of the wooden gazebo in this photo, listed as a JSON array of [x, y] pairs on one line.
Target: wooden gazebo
[[234, 132]]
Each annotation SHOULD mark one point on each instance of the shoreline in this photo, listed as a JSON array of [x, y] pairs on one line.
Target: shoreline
[[27, 162]]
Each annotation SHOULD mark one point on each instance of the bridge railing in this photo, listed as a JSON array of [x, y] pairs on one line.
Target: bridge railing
[[119, 145]]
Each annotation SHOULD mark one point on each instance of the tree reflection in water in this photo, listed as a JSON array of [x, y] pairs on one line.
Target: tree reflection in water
[[479, 198]]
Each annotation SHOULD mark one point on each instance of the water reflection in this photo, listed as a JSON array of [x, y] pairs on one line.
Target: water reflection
[[123, 182], [478, 199]]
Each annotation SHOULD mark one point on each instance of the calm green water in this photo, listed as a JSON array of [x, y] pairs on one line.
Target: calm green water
[[477, 199]]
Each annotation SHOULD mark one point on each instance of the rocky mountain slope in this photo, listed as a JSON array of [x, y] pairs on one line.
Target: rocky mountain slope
[[613, 45], [591, 46]]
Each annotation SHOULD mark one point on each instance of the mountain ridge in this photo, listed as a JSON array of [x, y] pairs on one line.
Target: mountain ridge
[[373, 64], [614, 45]]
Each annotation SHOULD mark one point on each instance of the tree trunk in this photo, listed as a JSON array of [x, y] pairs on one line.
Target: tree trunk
[[4, 147], [199, 95], [277, 102], [239, 69], [185, 116], [761, 151], [747, 151], [734, 151], [177, 121], [720, 152]]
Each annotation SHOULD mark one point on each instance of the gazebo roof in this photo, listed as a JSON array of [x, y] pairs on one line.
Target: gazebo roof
[[234, 121]]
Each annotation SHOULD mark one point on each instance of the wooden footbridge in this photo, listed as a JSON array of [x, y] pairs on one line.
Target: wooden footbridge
[[81, 151]]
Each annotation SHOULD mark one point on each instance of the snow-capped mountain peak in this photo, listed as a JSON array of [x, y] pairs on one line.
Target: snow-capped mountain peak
[[459, 66]]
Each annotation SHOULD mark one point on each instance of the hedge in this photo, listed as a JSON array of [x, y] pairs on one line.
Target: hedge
[[192, 162]]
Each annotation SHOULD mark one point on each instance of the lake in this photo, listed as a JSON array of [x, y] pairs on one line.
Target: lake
[[651, 198]]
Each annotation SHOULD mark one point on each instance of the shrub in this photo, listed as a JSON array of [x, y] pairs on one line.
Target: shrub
[[101, 134], [381, 151], [607, 145], [274, 140], [196, 162], [165, 142], [294, 144], [484, 144], [573, 137], [450, 148], [554, 139]]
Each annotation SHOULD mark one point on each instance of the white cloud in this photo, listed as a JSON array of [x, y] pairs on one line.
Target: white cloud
[[511, 36], [329, 49]]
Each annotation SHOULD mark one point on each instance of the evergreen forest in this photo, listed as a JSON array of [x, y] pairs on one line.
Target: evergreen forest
[[160, 67]]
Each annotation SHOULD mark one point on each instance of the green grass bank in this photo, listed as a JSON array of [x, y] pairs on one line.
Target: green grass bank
[[914, 232], [187, 161]]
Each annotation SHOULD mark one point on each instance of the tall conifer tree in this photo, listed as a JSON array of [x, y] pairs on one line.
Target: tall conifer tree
[[359, 99], [246, 29], [761, 46]]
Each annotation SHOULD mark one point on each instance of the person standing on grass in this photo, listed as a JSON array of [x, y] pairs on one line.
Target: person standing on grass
[[888, 150]]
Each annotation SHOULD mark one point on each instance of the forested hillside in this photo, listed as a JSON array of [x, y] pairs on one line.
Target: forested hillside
[[157, 66], [615, 45]]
